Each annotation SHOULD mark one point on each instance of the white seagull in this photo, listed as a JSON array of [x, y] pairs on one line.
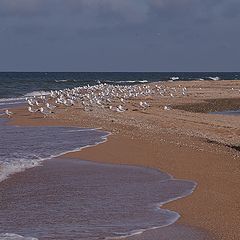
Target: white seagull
[[120, 109], [45, 112], [167, 108], [144, 105], [31, 110], [51, 107], [8, 113]]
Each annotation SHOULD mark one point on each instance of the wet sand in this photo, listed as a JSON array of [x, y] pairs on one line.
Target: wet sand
[[187, 144]]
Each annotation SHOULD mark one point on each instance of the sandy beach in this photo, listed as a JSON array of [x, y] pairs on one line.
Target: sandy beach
[[185, 141]]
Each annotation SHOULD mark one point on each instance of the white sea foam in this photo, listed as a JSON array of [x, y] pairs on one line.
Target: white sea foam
[[37, 93], [8, 102], [5, 100], [11, 166], [65, 80], [129, 81], [126, 235], [174, 78], [82, 130], [13, 236], [214, 78], [16, 166], [11, 103]]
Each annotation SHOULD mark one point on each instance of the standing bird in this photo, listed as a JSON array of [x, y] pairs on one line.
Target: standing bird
[[8, 113], [144, 105], [167, 108], [120, 109], [50, 106], [45, 112], [31, 110], [30, 102]]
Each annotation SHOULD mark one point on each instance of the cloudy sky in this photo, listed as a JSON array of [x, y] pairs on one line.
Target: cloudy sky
[[119, 35]]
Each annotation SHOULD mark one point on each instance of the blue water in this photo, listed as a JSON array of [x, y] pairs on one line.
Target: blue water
[[18, 84], [232, 112]]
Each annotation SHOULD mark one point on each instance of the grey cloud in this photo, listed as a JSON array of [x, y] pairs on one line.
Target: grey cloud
[[19, 7], [110, 33], [100, 13], [88, 15]]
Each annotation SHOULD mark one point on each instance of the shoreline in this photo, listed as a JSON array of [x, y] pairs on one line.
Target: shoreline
[[176, 142]]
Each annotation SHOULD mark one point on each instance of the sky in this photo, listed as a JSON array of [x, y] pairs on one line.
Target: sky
[[119, 35]]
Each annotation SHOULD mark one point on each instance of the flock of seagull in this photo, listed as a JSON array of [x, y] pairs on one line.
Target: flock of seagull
[[105, 96]]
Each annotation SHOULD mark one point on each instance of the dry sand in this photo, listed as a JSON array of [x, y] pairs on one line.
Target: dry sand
[[185, 142]]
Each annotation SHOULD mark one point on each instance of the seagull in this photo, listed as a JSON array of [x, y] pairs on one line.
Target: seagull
[[141, 104], [144, 105], [30, 102], [68, 102], [87, 109], [31, 110], [8, 113], [99, 103], [51, 107], [122, 100], [45, 112], [167, 108], [120, 109]]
